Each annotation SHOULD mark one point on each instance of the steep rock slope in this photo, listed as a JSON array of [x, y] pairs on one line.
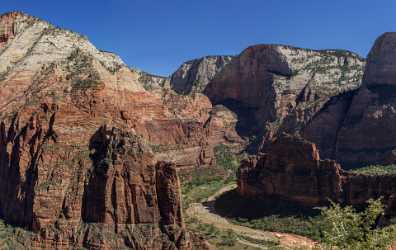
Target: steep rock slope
[[286, 86], [274, 87], [39, 61], [368, 133], [193, 76], [111, 194], [358, 127]]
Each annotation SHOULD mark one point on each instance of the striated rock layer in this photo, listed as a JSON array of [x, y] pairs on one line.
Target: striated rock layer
[[40, 63], [84, 144], [273, 87], [112, 194], [330, 97], [291, 169]]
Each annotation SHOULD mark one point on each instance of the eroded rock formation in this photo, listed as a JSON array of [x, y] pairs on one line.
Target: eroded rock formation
[[274, 88], [291, 169], [67, 179], [110, 194], [325, 96], [44, 64]]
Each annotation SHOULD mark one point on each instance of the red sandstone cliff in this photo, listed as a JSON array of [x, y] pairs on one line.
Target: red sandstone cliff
[[40, 63], [291, 168], [77, 135], [112, 194]]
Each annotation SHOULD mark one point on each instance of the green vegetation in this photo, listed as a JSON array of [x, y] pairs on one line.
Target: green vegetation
[[81, 70], [335, 227], [226, 159], [226, 239], [204, 182], [210, 232], [269, 214], [375, 170], [12, 238], [345, 228]]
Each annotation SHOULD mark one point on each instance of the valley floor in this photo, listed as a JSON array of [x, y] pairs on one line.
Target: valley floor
[[205, 213]]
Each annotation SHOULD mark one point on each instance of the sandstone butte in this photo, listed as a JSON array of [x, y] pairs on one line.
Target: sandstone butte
[[90, 148], [291, 169]]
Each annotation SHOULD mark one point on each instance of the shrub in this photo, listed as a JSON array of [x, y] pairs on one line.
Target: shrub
[[345, 228], [228, 238], [376, 170], [225, 158]]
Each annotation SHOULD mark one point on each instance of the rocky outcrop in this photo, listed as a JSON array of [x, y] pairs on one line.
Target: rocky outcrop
[[367, 135], [193, 76], [68, 195], [291, 169], [10, 24], [153, 83], [381, 63]]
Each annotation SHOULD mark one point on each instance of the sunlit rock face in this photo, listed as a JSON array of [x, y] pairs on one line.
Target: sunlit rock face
[[286, 86], [85, 143], [277, 88]]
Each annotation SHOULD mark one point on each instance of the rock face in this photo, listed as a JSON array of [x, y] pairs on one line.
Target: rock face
[[286, 86], [381, 68], [357, 128], [84, 145], [193, 76], [112, 194], [275, 87], [321, 95], [291, 169], [44, 64]]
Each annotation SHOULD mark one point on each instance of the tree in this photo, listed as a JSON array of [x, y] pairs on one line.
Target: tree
[[345, 228]]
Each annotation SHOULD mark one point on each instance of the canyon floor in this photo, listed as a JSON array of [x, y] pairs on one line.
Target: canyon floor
[[205, 213]]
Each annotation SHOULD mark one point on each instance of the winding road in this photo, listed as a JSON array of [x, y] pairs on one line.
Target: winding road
[[207, 215]]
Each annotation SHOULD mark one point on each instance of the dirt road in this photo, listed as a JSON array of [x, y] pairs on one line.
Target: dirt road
[[207, 215]]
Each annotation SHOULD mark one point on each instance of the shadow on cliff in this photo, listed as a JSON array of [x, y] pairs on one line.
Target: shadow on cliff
[[93, 206], [247, 125], [233, 206]]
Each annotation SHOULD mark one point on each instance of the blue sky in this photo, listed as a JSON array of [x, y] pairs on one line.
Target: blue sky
[[157, 36]]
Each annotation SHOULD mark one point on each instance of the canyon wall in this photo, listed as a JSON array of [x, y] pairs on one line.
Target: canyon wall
[[274, 87], [86, 144], [330, 97], [111, 194], [40, 63], [291, 169]]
